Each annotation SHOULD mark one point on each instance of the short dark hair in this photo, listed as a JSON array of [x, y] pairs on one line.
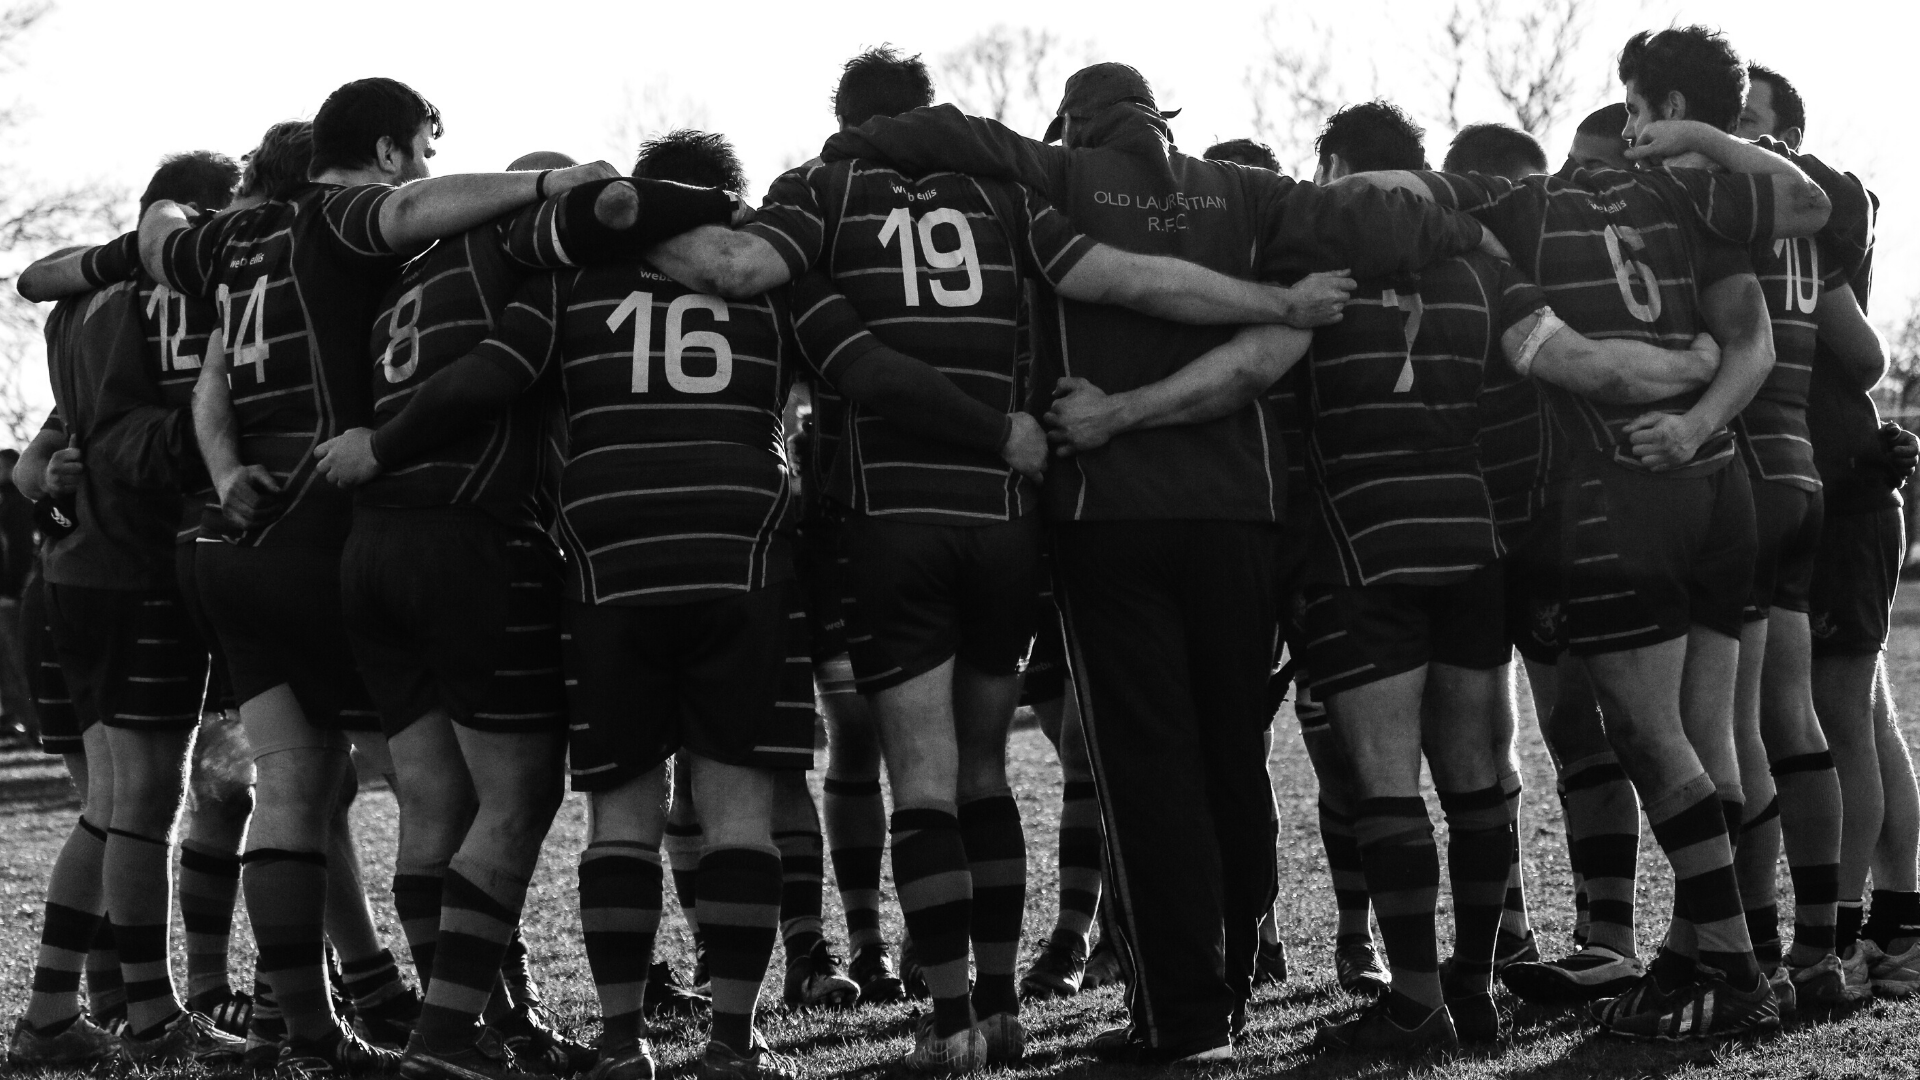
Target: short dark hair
[[881, 82], [1608, 119], [1789, 108], [1249, 152], [1495, 148], [348, 127], [279, 166], [1697, 61], [1373, 135], [201, 177], [686, 156]]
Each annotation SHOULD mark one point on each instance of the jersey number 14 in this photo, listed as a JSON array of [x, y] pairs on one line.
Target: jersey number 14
[[253, 324]]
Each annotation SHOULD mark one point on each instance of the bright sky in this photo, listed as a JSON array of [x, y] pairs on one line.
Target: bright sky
[[109, 86]]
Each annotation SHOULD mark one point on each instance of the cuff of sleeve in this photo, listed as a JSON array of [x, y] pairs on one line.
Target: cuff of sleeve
[[797, 264]]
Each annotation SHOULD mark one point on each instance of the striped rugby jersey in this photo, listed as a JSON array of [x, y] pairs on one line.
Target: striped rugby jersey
[[177, 326], [676, 486], [1840, 413], [1617, 254], [1517, 449], [1395, 397], [936, 267], [297, 283], [445, 303], [1773, 427]]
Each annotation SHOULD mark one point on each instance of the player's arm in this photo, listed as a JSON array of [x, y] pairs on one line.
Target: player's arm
[[614, 221], [418, 213], [31, 473], [939, 137], [1800, 206], [1844, 329], [1182, 291], [724, 262], [1613, 371], [1218, 383], [1735, 312], [904, 389], [1375, 228], [135, 435], [74, 270], [247, 493]]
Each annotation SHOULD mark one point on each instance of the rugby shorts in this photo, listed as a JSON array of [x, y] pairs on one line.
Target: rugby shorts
[[1647, 556], [1361, 634], [60, 726], [820, 567], [1535, 586], [1855, 573], [277, 614], [219, 679], [728, 679], [448, 608], [130, 658], [924, 594], [1786, 525]]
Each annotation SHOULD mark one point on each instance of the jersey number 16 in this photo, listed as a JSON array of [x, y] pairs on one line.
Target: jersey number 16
[[638, 306]]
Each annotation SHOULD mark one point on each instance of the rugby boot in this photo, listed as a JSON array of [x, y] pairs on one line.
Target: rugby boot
[[1058, 970], [1103, 967], [231, 1012], [340, 1052], [1359, 971], [1668, 976], [1707, 1008], [1006, 1038], [668, 996], [1376, 1032], [389, 1023], [872, 969], [721, 1062], [631, 1062], [1270, 964], [188, 1037], [1592, 974], [1820, 985], [80, 1044], [962, 1051], [1786, 997], [1893, 975], [538, 1047], [814, 979], [1509, 950], [486, 1058]]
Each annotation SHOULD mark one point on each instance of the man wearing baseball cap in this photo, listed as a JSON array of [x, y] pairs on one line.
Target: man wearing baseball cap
[[1165, 511]]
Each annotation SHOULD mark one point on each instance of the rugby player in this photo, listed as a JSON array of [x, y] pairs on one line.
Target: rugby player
[[1404, 619], [124, 641], [1861, 465], [1659, 544], [1599, 142], [299, 280], [1164, 509]]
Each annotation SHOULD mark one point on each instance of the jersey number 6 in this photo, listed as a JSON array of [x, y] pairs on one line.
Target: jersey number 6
[[639, 307]]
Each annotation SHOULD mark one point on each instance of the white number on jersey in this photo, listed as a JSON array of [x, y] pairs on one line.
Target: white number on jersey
[[966, 254], [1802, 268], [252, 317], [173, 329], [1625, 269], [639, 307], [405, 326]]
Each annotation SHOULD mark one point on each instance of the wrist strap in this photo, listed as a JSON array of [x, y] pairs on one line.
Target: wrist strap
[[1549, 325], [540, 185]]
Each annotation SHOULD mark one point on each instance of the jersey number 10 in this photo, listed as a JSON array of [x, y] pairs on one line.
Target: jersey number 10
[[900, 224], [638, 306]]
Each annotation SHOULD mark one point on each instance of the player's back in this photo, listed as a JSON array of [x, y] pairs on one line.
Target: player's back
[[445, 302], [676, 486], [297, 283], [1774, 435], [177, 327]]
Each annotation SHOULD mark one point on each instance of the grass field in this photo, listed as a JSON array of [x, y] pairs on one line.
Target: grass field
[[1881, 1040]]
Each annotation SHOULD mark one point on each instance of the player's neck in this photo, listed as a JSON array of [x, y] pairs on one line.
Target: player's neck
[[354, 177]]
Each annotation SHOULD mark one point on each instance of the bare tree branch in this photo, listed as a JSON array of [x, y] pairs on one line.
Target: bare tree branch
[[1011, 74], [1294, 90], [1530, 59], [654, 110]]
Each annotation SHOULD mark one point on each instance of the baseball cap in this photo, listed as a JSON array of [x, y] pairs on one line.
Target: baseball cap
[[1097, 86]]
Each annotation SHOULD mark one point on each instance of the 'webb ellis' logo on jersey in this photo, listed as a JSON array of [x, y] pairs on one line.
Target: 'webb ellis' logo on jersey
[[1174, 205]]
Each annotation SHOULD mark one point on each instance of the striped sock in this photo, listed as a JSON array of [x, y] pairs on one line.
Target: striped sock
[[803, 869], [856, 821], [416, 899], [1603, 830], [1582, 921], [1079, 860], [997, 861], [1349, 876], [1403, 878], [1478, 861], [620, 887], [268, 1024], [1514, 923], [739, 901], [286, 895], [1756, 863], [1895, 914], [106, 992], [73, 917], [936, 899], [137, 902], [372, 980], [480, 907], [1690, 822], [1810, 788], [1846, 923], [683, 842], [209, 881]]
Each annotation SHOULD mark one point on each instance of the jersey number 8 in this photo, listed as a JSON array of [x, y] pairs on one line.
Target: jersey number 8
[[900, 223], [638, 306]]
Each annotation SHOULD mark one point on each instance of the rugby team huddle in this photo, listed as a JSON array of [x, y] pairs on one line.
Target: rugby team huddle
[[482, 481]]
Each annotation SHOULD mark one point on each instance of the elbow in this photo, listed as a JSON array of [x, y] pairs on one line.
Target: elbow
[[32, 285], [1811, 209]]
